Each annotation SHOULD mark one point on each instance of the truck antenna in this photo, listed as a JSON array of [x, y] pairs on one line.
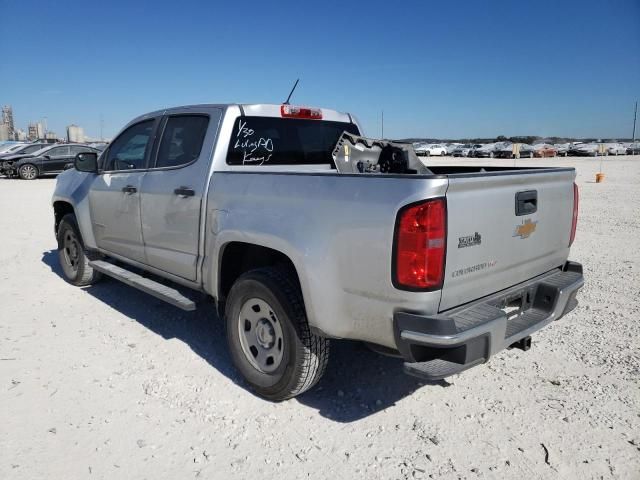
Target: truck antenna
[[291, 92]]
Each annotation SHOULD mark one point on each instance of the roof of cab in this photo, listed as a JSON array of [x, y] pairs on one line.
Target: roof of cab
[[248, 109]]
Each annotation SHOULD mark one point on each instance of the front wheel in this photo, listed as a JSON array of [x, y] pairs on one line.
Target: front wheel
[[72, 255], [28, 172], [269, 338]]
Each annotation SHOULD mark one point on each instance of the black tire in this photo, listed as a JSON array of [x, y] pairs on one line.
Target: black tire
[[444, 152], [28, 171], [304, 355], [73, 256]]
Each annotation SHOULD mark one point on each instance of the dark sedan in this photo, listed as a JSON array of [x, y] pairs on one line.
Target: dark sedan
[[633, 149], [46, 161]]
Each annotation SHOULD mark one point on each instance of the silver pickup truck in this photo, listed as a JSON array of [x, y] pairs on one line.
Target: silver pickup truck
[[303, 231]]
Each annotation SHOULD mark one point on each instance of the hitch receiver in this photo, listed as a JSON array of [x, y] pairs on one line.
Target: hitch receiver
[[523, 344]]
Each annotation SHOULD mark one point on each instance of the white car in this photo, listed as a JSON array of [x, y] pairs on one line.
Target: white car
[[617, 149], [462, 150], [451, 147], [430, 150], [9, 147]]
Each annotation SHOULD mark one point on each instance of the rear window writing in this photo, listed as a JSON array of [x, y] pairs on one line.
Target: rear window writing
[[284, 141]]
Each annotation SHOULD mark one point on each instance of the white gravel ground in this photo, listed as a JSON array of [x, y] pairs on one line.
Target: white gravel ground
[[107, 382]]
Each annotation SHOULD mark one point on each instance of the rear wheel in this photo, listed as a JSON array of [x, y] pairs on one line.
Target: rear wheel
[[443, 153], [269, 338], [73, 256], [28, 172]]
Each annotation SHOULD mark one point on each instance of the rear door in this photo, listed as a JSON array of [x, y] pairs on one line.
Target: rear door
[[172, 191], [114, 197], [55, 159], [504, 228]]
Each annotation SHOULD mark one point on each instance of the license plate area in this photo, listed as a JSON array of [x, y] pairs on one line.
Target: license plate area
[[517, 303]]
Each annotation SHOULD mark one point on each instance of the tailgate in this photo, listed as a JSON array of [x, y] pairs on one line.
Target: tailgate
[[494, 240]]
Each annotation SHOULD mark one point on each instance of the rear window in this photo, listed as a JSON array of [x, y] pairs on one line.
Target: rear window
[[284, 141]]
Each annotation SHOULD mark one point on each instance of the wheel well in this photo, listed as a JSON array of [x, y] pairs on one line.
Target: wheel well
[[239, 257], [60, 209]]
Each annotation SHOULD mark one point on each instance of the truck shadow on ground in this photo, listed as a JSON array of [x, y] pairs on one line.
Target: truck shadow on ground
[[357, 383]]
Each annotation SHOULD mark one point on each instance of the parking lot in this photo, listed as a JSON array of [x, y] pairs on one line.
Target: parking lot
[[108, 382]]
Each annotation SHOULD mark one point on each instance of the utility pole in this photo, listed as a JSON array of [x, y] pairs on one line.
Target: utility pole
[[635, 115], [101, 127], [382, 125]]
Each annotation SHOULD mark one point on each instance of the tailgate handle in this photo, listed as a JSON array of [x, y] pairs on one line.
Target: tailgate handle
[[526, 202]]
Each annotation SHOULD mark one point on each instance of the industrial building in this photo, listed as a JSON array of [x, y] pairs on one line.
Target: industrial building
[[7, 120], [75, 134], [35, 131]]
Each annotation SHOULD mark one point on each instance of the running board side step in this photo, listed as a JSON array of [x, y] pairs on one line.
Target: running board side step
[[158, 290]]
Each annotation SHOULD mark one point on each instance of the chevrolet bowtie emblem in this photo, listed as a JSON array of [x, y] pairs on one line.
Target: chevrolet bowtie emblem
[[526, 229]]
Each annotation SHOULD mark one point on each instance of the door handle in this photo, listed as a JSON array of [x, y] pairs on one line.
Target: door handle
[[185, 191], [129, 189]]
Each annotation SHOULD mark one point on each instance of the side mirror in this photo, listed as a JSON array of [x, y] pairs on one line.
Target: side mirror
[[86, 162], [46, 157]]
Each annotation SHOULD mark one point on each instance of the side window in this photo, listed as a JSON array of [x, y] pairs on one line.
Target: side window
[[182, 140], [58, 152], [76, 149], [129, 150], [32, 148]]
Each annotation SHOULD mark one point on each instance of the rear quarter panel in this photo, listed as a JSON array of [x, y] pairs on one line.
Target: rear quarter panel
[[338, 232]]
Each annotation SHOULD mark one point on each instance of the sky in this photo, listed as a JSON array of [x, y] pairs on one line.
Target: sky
[[449, 69]]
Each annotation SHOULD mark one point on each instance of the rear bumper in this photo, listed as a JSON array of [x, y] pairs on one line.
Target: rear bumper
[[437, 346]]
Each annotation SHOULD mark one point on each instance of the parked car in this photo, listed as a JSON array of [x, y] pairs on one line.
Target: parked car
[[420, 148], [486, 151], [457, 266], [430, 150], [633, 149], [506, 150], [584, 150], [463, 150], [472, 151], [542, 150], [617, 149], [8, 147], [561, 149], [49, 160], [22, 150], [451, 147]]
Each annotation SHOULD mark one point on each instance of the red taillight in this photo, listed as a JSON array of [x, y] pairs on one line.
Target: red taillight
[[291, 111], [421, 239], [574, 221]]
